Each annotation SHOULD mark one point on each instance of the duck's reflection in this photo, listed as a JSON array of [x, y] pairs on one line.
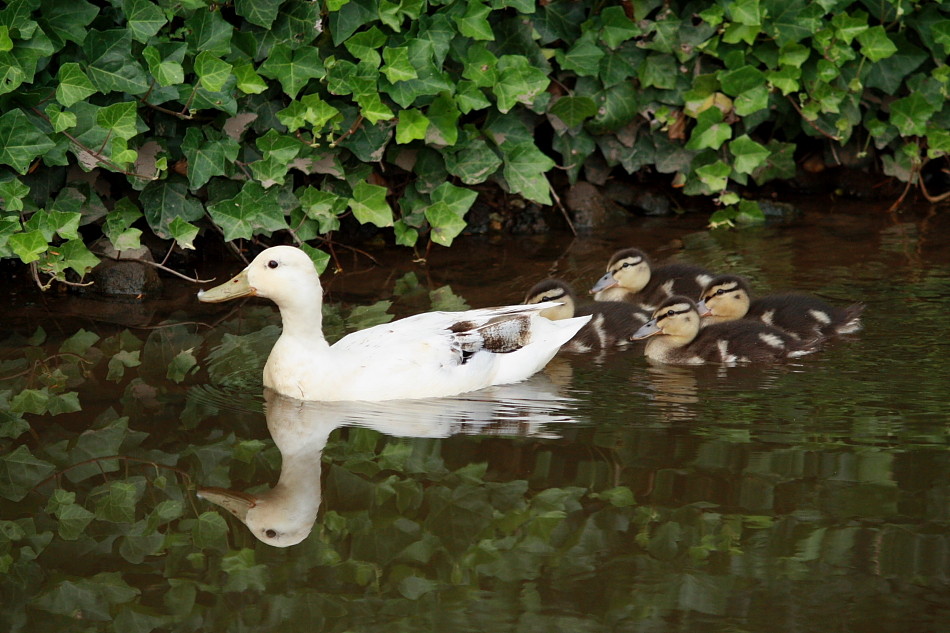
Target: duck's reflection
[[285, 514]]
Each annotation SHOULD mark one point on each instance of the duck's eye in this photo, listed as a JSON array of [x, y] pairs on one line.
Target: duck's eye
[[720, 292], [271, 533], [669, 313], [273, 263]]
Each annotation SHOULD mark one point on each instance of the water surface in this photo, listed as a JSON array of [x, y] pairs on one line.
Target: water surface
[[607, 494]]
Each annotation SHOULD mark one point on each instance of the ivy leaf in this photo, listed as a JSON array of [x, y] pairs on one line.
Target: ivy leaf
[[120, 361], [28, 246], [411, 126], [253, 210], [446, 224], [117, 505], [73, 518], [710, 131], [525, 166], [78, 257], [715, 175], [875, 44], [259, 12], [474, 23], [180, 366], [163, 201], [20, 471], [474, 162], [212, 71], [617, 27], [323, 206], [748, 154], [398, 67], [145, 19], [911, 114], [73, 84], [119, 119], [319, 258], [92, 597], [210, 531], [111, 66], [164, 62], [369, 205], [207, 157], [184, 233], [308, 110], [583, 57], [21, 141], [518, 82], [293, 68], [443, 117], [248, 81], [209, 32], [574, 110]]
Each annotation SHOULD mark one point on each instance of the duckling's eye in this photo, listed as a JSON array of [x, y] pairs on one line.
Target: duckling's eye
[[271, 533], [720, 292], [669, 313], [273, 263]]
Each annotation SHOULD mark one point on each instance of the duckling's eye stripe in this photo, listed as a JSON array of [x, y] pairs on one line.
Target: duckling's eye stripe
[[670, 313]]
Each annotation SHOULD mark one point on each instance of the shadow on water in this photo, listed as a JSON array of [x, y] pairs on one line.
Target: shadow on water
[[606, 494]]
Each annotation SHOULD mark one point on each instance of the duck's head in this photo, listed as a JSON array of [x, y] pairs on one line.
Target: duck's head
[[628, 268], [267, 516], [556, 291], [282, 274], [677, 317], [725, 298]]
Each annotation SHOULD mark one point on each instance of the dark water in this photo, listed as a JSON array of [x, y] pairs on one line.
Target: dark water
[[606, 494]]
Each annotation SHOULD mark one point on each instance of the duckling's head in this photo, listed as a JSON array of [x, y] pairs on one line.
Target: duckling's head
[[553, 290], [268, 516], [677, 318], [284, 274], [628, 268], [725, 298]]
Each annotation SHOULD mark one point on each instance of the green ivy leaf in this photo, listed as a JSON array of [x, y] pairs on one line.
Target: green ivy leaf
[[574, 110], [73, 84], [398, 67], [21, 141], [474, 23], [73, 518], [473, 163], [323, 206], [412, 126], [20, 471], [117, 505], [369, 205], [184, 233], [92, 597], [164, 62], [518, 82], [212, 71], [207, 157], [163, 201], [28, 246], [210, 532], [248, 81], [911, 114], [259, 12], [120, 361], [208, 31], [715, 175], [583, 57], [66, 20], [111, 65], [748, 154], [617, 27], [525, 168], [309, 109], [319, 258], [119, 119], [145, 19], [875, 44], [254, 210], [293, 68], [443, 116], [710, 131], [77, 256]]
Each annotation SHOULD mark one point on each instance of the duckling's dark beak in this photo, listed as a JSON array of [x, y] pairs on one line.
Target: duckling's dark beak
[[237, 503], [703, 309], [646, 330], [237, 286], [607, 281]]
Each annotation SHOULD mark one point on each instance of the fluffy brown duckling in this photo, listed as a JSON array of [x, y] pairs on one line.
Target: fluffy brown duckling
[[632, 277], [727, 298], [612, 322], [676, 336]]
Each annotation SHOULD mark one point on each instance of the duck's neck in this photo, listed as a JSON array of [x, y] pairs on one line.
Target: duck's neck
[[302, 319]]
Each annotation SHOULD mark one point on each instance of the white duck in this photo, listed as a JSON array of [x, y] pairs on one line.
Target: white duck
[[285, 514], [422, 356]]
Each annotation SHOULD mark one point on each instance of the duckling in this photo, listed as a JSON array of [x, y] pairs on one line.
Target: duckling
[[682, 340], [611, 324], [727, 298], [631, 277]]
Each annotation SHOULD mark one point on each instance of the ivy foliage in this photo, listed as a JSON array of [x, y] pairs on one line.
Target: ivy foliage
[[285, 116]]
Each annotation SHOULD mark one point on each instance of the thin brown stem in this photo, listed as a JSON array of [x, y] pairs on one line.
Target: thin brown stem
[[125, 458], [813, 125]]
